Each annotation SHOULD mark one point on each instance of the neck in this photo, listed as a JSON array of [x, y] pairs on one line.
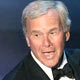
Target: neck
[[60, 61]]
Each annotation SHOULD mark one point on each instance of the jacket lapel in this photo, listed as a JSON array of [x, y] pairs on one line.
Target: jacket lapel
[[35, 72]]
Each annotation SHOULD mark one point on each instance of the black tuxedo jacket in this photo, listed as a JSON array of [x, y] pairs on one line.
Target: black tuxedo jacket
[[28, 69]]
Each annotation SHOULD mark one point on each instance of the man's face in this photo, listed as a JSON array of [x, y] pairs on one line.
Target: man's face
[[46, 38]]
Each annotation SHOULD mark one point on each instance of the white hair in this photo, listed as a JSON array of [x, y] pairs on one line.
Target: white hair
[[40, 7]]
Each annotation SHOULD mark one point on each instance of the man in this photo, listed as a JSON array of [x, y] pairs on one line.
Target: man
[[46, 26]]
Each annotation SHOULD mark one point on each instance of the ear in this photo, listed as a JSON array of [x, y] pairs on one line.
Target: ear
[[28, 42], [67, 35]]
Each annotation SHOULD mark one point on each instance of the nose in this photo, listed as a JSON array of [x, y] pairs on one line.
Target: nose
[[46, 42]]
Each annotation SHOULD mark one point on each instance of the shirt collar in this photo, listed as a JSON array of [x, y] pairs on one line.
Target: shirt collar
[[64, 61], [46, 69]]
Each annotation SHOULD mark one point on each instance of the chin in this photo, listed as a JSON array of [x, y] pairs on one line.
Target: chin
[[50, 64]]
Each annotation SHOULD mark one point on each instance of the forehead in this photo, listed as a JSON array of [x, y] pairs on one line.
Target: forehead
[[51, 18], [51, 13]]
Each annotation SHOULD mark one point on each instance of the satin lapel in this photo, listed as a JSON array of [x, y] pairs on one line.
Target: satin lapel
[[34, 70], [73, 62]]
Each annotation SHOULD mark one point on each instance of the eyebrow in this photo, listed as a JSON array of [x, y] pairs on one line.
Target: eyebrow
[[35, 31], [53, 29]]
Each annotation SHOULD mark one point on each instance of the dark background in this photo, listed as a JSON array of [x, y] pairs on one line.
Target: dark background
[[13, 46]]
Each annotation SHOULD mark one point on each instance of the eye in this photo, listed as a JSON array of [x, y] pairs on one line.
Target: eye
[[36, 35], [52, 33]]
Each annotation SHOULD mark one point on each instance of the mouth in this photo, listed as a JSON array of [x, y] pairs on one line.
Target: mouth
[[49, 54], [48, 51]]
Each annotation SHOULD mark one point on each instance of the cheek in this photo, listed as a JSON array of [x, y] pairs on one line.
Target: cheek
[[59, 42], [35, 44]]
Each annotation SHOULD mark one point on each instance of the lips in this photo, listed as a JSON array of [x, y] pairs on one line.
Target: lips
[[48, 51], [49, 54]]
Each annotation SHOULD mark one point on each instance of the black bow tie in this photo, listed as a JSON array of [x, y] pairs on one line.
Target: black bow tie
[[66, 71]]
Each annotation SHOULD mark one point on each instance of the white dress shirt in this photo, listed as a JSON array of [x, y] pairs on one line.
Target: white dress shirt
[[48, 70]]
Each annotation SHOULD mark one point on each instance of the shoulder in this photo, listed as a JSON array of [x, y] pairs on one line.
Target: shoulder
[[73, 57], [73, 54], [18, 70]]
